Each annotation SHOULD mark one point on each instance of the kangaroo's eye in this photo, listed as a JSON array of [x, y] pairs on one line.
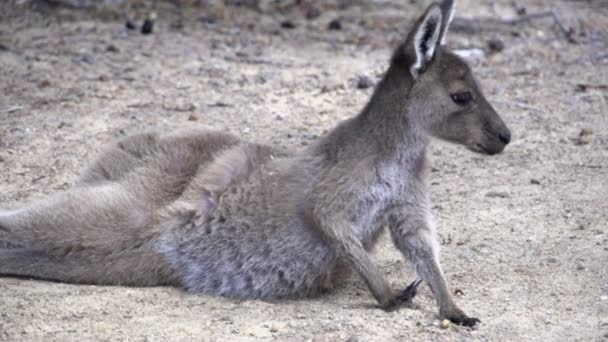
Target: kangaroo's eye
[[462, 99]]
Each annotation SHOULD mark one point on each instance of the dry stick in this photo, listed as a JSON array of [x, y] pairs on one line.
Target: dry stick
[[469, 23], [519, 104], [584, 86]]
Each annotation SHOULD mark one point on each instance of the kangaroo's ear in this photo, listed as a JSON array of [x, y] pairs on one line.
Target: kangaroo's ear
[[424, 39], [447, 13]]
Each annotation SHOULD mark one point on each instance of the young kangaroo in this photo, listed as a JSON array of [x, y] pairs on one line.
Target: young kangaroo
[[213, 214]]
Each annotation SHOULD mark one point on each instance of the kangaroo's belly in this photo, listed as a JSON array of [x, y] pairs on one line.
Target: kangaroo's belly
[[234, 258]]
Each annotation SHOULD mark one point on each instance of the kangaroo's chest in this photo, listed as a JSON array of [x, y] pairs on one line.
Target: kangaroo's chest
[[394, 185]]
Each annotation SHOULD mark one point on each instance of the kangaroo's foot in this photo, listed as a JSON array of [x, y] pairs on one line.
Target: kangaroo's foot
[[457, 316], [404, 298]]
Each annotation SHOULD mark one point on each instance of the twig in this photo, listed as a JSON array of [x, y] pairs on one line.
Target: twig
[[584, 86], [519, 104], [474, 24], [12, 109], [258, 61]]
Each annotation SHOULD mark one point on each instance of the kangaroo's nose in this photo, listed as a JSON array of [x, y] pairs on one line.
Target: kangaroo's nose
[[505, 136]]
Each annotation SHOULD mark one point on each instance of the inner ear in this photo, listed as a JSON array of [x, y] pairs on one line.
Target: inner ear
[[426, 39], [447, 11]]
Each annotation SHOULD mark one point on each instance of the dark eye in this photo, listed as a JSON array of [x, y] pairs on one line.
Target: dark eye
[[462, 99]]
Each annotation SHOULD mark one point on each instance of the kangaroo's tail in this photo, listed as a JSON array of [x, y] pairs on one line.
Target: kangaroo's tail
[[136, 267], [93, 235]]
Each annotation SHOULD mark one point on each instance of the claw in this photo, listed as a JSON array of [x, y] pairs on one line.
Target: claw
[[466, 321], [458, 317], [404, 298], [409, 292]]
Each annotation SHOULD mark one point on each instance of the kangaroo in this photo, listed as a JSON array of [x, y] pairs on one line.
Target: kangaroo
[[210, 213]]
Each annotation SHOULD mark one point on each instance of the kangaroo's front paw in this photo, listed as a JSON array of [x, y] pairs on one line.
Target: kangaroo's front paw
[[456, 316], [403, 298]]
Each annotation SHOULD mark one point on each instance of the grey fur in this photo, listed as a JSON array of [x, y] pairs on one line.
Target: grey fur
[[213, 214]]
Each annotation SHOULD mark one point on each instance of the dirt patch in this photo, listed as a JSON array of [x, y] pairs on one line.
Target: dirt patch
[[524, 233]]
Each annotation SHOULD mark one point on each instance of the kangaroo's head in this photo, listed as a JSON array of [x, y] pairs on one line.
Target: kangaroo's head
[[444, 97]]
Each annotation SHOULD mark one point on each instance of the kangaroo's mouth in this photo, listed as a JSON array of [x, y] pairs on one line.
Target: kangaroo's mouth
[[479, 148]]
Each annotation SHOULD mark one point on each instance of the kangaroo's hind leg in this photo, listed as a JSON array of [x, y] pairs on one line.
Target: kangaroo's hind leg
[[121, 158], [195, 146]]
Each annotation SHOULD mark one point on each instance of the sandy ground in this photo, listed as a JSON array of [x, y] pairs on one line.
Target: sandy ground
[[524, 233]]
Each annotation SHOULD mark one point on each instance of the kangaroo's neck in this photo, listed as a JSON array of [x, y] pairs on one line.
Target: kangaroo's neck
[[385, 127]]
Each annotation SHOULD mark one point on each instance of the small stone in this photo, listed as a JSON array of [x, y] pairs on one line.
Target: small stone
[[335, 25], [88, 59], [148, 26], [499, 194], [277, 327], [112, 48], [471, 55], [104, 78], [353, 338], [364, 82], [604, 298], [445, 324], [288, 24], [534, 181], [313, 13], [44, 84], [496, 44], [585, 136], [193, 117], [207, 19], [130, 24], [258, 332]]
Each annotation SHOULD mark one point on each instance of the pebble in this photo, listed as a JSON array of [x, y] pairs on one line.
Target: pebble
[[313, 13], [112, 48], [585, 136], [129, 24], [445, 324], [500, 194], [277, 327], [470, 55], [148, 26], [258, 332], [288, 24], [353, 338], [364, 82], [534, 181], [496, 44], [44, 84], [193, 117], [207, 19], [335, 25]]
